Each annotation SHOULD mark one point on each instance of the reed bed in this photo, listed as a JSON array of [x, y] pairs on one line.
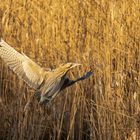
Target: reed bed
[[103, 36]]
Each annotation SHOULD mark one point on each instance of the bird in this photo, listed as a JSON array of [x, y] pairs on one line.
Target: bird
[[47, 83]]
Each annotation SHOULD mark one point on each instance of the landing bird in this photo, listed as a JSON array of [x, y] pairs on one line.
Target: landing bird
[[46, 83]]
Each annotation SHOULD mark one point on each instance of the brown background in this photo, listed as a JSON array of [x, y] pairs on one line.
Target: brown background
[[100, 34]]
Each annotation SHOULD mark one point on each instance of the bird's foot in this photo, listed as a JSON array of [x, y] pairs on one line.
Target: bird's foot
[[37, 95]]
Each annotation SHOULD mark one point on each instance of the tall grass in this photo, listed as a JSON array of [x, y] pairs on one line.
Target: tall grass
[[103, 36]]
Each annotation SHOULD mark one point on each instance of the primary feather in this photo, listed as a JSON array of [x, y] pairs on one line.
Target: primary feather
[[22, 65]]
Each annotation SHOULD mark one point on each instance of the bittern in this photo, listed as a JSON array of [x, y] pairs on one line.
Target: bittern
[[47, 84]]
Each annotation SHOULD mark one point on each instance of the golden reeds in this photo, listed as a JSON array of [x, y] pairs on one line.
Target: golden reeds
[[102, 35]]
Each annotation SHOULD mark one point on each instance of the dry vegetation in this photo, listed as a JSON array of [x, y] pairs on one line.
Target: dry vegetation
[[102, 35]]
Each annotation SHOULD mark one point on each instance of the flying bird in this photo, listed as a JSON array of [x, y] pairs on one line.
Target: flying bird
[[46, 83]]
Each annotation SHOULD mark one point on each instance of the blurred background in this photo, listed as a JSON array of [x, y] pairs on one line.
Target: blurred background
[[103, 36]]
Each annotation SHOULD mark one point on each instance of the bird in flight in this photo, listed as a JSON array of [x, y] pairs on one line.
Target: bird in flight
[[46, 83]]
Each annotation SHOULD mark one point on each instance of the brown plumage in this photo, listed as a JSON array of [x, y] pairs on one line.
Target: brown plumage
[[46, 83]]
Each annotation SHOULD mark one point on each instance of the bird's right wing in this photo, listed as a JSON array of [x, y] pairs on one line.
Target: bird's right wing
[[22, 65]]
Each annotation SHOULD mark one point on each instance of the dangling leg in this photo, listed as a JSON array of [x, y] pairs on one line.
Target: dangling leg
[[37, 95]]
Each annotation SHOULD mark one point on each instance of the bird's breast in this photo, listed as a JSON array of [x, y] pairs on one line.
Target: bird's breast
[[51, 87]]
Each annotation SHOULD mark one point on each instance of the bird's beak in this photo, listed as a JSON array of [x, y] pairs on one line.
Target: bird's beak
[[75, 64]]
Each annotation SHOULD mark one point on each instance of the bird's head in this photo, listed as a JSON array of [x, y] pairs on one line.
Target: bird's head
[[63, 68], [69, 66]]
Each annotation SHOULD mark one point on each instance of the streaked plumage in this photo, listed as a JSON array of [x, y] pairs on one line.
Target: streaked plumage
[[46, 83]]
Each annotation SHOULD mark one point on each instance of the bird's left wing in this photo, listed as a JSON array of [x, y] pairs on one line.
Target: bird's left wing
[[88, 74], [22, 65]]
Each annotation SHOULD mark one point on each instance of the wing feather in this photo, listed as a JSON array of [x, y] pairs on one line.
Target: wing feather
[[22, 65]]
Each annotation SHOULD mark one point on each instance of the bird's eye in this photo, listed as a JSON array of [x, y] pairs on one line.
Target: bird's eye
[[71, 65]]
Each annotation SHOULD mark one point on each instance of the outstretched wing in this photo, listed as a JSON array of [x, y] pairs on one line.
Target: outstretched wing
[[22, 65]]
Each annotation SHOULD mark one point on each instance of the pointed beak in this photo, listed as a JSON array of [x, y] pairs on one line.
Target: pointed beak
[[75, 64]]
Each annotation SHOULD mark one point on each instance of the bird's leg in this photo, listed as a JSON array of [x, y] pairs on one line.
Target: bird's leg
[[37, 95], [41, 100]]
